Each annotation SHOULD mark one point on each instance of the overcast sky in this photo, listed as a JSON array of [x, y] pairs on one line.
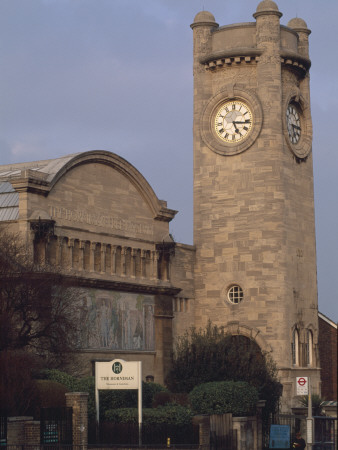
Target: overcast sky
[[80, 75]]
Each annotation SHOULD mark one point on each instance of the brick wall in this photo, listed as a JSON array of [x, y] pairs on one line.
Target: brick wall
[[328, 357]]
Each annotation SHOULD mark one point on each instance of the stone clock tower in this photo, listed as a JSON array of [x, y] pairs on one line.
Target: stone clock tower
[[254, 227]]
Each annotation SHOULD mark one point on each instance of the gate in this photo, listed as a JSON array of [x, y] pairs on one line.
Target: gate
[[127, 434], [296, 423], [56, 426], [325, 433], [3, 430], [222, 436]]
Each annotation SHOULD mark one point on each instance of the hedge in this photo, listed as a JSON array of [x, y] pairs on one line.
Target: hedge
[[170, 415], [108, 399], [219, 397]]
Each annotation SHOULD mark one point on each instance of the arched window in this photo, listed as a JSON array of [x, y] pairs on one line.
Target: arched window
[[309, 347], [295, 347]]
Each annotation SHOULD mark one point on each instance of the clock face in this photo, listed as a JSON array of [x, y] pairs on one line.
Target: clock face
[[293, 123], [233, 121]]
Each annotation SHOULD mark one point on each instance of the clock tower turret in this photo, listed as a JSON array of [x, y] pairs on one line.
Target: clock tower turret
[[255, 270]]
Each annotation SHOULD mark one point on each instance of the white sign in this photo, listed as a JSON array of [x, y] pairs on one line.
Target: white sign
[[302, 386], [117, 374]]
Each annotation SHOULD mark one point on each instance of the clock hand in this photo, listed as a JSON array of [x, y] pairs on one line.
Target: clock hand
[[236, 129], [295, 126], [238, 121]]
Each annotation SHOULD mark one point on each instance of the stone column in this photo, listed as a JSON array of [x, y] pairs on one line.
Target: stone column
[[103, 257], [32, 434], [203, 422], [81, 254], [163, 316], [123, 261], [154, 261], [133, 262], [79, 402], [71, 253], [92, 257], [260, 406], [143, 263], [269, 77], [58, 251], [113, 260], [16, 429]]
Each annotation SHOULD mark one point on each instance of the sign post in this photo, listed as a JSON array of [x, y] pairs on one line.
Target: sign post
[[304, 388], [309, 420], [119, 374]]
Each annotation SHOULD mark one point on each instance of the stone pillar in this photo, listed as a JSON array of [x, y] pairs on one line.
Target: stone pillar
[[300, 26], [58, 251], [92, 257], [143, 263], [154, 268], [79, 402], [163, 336], [123, 261], [32, 434], [260, 406], [133, 263], [113, 260], [203, 422], [71, 253], [103, 257], [16, 430], [269, 78], [81, 255]]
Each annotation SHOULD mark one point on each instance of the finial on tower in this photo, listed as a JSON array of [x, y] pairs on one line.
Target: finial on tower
[[267, 7], [204, 18]]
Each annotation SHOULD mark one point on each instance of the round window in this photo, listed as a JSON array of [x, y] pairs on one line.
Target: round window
[[235, 294]]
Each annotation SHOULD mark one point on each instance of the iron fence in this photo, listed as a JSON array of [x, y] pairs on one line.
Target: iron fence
[[42, 447], [295, 422], [3, 430], [156, 435], [325, 433], [56, 426]]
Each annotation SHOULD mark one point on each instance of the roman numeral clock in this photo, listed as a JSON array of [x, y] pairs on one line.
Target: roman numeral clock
[[233, 121]]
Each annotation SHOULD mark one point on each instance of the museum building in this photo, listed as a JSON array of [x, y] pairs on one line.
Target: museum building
[[252, 268]]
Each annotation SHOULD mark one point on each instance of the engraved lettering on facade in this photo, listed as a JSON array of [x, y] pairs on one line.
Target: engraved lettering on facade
[[99, 220]]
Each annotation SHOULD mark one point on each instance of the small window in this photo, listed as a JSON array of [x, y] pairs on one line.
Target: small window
[[235, 294], [309, 347], [294, 347]]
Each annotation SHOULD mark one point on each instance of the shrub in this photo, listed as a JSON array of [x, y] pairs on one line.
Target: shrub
[[236, 397], [166, 398], [48, 394], [149, 391], [113, 399], [60, 377], [17, 384], [170, 415]]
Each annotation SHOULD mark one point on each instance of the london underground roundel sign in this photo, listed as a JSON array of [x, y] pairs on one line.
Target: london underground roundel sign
[[302, 386]]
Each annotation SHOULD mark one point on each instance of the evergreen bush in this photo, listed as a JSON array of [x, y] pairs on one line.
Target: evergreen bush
[[170, 415], [236, 397]]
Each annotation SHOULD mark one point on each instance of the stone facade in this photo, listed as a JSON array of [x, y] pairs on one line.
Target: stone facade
[[94, 217], [253, 196], [252, 268]]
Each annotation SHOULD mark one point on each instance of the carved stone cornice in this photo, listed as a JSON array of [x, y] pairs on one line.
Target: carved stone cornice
[[253, 56], [153, 289], [227, 57]]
